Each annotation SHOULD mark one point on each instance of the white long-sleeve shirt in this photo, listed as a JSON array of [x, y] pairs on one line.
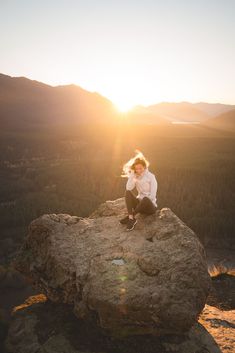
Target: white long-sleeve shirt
[[146, 185]]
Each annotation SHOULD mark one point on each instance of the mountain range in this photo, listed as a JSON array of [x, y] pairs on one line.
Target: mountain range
[[30, 102]]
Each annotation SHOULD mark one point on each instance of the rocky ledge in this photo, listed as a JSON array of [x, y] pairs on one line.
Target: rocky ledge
[[151, 280]]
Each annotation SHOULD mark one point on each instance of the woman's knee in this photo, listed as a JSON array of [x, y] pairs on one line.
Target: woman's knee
[[128, 192], [146, 200]]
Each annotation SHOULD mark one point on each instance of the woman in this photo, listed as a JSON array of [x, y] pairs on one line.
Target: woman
[[139, 176]]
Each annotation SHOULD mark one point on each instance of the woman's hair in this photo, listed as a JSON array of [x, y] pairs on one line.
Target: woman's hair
[[130, 165]]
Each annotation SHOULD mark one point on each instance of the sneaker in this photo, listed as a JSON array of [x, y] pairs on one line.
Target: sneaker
[[131, 223], [124, 220]]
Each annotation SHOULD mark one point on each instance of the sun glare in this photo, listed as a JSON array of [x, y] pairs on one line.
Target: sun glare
[[124, 107]]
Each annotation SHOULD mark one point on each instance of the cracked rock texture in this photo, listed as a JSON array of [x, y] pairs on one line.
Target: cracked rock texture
[[151, 280]]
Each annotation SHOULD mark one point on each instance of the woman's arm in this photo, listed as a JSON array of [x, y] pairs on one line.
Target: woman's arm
[[153, 187], [130, 185]]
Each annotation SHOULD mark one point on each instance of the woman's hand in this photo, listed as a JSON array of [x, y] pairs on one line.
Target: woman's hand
[[133, 175]]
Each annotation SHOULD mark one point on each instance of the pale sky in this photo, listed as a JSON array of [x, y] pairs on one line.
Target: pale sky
[[132, 52]]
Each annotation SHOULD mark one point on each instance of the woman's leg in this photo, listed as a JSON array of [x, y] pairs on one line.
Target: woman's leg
[[131, 202], [145, 206]]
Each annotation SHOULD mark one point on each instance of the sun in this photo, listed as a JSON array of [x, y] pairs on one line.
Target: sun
[[124, 106]]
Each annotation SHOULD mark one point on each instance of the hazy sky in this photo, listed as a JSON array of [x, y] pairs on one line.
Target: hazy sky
[[133, 52]]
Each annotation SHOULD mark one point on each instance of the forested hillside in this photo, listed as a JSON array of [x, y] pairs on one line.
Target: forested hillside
[[72, 169]]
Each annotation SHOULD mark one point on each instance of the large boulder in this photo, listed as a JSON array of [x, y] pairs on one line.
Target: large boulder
[[151, 280]]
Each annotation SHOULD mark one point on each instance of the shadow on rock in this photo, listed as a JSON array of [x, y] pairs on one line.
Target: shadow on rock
[[42, 326]]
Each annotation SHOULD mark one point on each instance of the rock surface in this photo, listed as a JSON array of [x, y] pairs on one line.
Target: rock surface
[[151, 280], [39, 326]]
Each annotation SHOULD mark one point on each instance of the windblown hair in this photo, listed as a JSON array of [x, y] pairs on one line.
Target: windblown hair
[[130, 165]]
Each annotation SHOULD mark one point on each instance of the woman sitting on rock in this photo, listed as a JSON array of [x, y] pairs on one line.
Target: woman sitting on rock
[[136, 169]]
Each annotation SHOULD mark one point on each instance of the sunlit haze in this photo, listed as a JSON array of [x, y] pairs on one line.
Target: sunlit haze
[[132, 52]]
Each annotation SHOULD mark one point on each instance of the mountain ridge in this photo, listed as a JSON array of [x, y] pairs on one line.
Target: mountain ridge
[[27, 101]]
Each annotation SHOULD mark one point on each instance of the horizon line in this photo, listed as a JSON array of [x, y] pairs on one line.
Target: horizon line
[[95, 92]]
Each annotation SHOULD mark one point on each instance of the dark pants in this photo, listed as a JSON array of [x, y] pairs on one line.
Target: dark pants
[[134, 205]]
